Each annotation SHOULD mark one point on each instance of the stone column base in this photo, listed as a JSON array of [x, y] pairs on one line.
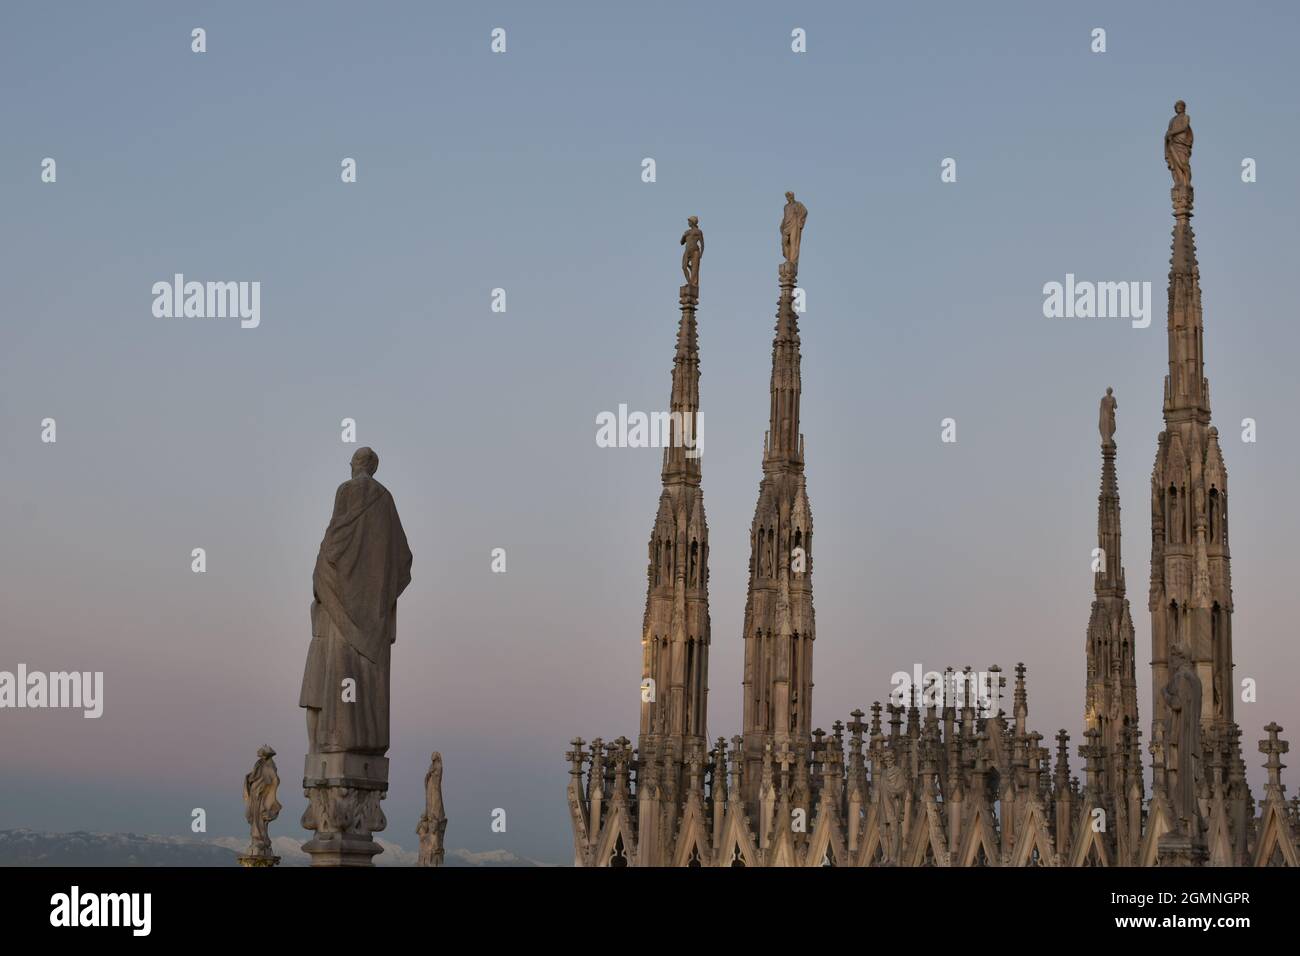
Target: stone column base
[[342, 849], [259, 860], [343, 792]]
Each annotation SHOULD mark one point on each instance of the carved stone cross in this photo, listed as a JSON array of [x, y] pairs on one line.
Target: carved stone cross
[[785, 757], [575, 755]]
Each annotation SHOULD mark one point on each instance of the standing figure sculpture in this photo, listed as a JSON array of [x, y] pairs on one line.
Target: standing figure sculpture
[[261, 806], [1107, 417], [1178, 146], [362, 568], [1182, 695], [363, 565], [693, 240], [792, 220], [433, 822], [891, 786]]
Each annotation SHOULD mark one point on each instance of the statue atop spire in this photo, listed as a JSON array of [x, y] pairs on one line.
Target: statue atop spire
[[693, 240], [1178, 146], [779, 628], [1107, 417], [675, 628], [792, 220], [1110, 697]]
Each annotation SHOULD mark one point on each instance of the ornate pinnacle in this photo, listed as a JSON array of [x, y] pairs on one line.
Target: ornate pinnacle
[[575, 756], [720, 769], [737, 763], [1135, 754], [856, 727], [1094, 755], [1274, 748], [695, 767], [996, 683], [1021, 699]]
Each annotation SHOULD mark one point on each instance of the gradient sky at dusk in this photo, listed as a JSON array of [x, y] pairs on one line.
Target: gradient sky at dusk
[[522, 171]]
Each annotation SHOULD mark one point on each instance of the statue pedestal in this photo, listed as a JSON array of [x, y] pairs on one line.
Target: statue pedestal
[[258, 860], [343, 791], [342, 849]]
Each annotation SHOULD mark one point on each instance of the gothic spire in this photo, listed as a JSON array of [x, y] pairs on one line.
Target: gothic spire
[[1191, 586], [1110, 697], [1109, 581], [682, 456], [675, 631], [784, 446], [779, 627], [1187, 393]]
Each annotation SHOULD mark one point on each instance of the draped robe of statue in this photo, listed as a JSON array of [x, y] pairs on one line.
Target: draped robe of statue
[[793, 217], [890, 790], [1183, 696], [1178, 148], [1106, 419], [261, 803], [433, 823], [363, 566]]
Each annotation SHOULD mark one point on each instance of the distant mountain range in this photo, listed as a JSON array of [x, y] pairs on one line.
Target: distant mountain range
[[23, 847]]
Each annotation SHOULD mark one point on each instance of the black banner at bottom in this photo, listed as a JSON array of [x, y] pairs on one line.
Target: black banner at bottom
[[549, 905]]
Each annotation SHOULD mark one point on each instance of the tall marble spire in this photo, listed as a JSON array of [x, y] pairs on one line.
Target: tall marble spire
[[1191, 585], [779, 626], [675, 629], [1110, 704]]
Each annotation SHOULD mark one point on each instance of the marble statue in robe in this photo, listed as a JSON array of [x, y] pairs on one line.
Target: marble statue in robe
[[1178, 146], [1106, 419], [363, 566], [433, 823], [1182, 696], [261, 803], [891, 789], [793, 217]]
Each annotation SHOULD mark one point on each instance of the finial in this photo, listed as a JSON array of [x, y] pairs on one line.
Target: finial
[[856, 725], [1274, 748], [1093, 754], [574, 756]]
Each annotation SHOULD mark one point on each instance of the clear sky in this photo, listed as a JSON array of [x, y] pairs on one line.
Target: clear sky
[[522, 171]]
